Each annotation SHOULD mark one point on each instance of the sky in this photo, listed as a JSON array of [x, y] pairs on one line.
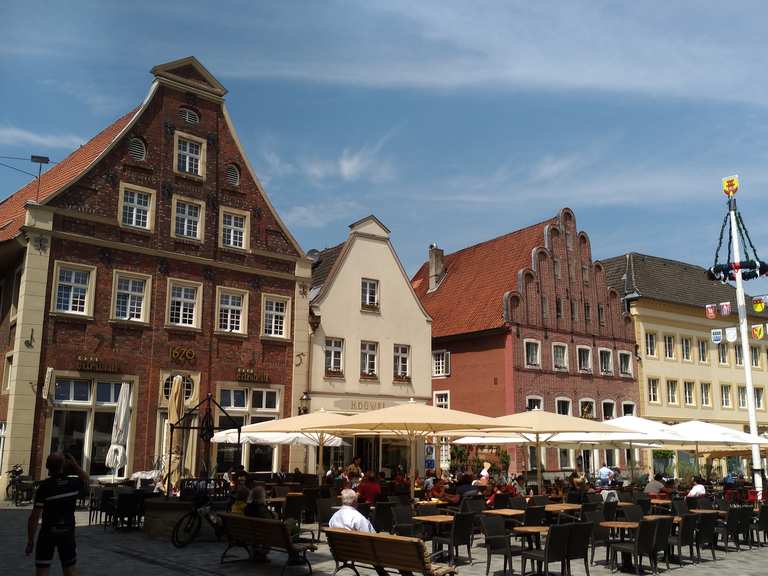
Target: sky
[[452, 122]]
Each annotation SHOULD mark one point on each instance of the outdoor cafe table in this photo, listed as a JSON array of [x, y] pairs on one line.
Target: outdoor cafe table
[[438, 520], [619, 525], [675, 519], [534, 533], [505, 512], [557, 508]]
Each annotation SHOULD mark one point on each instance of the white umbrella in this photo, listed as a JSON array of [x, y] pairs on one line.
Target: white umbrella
[[276, 438], [697, 432], [116, 455]]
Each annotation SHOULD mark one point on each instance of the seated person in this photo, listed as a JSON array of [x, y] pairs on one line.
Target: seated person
[[669, 487], [369, 488], [256, 505], [697, 490], [347, 516], [655, 485]]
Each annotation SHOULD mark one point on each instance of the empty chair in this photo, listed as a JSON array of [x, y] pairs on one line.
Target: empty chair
[[679, 507], [324, 507], [644, 502], [686, 536], [599, 536], [539, 500], [460, 535], [729, 530], [383, 516], [609, 510], [706, 535], [578, 544], [632, 513], [704, 503], [593, 497], [661, 539], [745, 524], [692, 502], [501, 501], [624, 496], [518, 503], [402, 521], [294, 509], [573, 497], [641, 546], [761, 526], [555, 549], [497, 541]]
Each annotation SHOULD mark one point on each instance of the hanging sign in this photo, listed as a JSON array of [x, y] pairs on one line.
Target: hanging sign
[[711, 310], [717, 336], [758, 331], [725, 308], [758, 303], [731, 334], [731, 185]]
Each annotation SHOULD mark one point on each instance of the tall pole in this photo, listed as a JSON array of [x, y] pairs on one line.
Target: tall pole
[[745, 352]]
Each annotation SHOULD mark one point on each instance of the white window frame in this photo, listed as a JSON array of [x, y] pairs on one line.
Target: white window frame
[[685, 393], [265, 299], [582, 401], [629, 372], [602, 409], [669, 397], [437, 403], [231, 407], [565, 357], [537, 364], [651, 345], [278, 400], [609, 371], [401, 352], [729, 404], [669, 347], [741, 397], [564, 399], [177, 135], [705, 358], [197, 311], [90, 288], [336, 354], [223, 212], [540, 399], [228, 291], [369, 347], [128, 187], [759, 399], [7, 366], [365, 302], [146, 297], [446, 364], [200, 231], [578, 360], [723, 346], [570, 465], [628, 403], [706, 399], [653, 398], [686, 357]]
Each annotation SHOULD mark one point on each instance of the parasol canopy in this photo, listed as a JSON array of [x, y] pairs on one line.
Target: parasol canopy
[[116, 455], [276, 438]]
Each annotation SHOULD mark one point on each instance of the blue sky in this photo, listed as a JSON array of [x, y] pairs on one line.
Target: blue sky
[[453, 122]]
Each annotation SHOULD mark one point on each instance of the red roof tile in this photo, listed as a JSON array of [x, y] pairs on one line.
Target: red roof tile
[[62, 174], [470, 296]]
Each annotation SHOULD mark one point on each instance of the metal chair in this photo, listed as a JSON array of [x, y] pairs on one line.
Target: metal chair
[[461, 535], [686, 536], [497, 541], [555, 549]]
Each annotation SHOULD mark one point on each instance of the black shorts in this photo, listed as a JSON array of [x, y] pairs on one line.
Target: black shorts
[[64, 541]]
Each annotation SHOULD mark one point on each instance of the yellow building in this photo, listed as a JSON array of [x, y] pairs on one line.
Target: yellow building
[[682, 374]]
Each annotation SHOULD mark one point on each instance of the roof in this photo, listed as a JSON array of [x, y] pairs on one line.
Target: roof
[[470, 297], [666, 280], [61, 175], [322, 267]]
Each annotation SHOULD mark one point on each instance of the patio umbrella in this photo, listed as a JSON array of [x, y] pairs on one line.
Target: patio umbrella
[[116, 455], [306, 425], [697, 432], [414, 420], [279, 438], [175, 413]]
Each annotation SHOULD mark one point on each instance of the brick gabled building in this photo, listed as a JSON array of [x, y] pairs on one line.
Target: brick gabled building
[[526, 321], [150, 251]]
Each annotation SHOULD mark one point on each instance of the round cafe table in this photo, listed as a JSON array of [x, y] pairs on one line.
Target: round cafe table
[[505, 512], [438, 520]]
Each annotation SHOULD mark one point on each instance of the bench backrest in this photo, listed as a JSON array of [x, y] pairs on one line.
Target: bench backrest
[[264, 531], [237, 527], [386, 550], [347, 546]]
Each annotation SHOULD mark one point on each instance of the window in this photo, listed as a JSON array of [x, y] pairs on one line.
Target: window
[[235, 228], [532, 354], [627, 408], [625, 363], [188, 218], [129, 299], [650, 344], [755, 353], [7, 372], [758, 398], [742, 396], [653, 390], [368, 360], [601, 314], [137, 150], [67, 390], [136, 206], [703, 351], [369, 293], [107, 392], [563, 406], [584, 358], [609, 409], [556, 267], [671, 391], [232, 175], [574, 311], [722, 353], [15, 292], [189, 154], [558, 307], [334, 356], [188, 115], [560, 356], [276, 316], [74, 288], [401, 358], [610, 457], [705, 397], [606, 361], [534, 403], [685, 344], [564, 458], [725, 395], [585, 275], [587, 312], [234, 398], [587, 408], [441, 399], [669, 347], [264, 399], [184, 303], [187, 382], [232, 310], [739, 353], [688, 393], [441, 363]]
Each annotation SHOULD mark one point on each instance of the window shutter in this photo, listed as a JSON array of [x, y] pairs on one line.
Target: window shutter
[[189, 116], [233, 175], [447, 363]]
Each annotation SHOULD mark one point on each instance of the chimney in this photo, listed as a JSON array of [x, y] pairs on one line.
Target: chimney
[[436, 269]]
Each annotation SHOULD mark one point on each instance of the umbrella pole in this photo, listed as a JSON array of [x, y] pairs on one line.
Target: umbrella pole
[[321, 445], [538, 465], [631, 464], [413, 466]]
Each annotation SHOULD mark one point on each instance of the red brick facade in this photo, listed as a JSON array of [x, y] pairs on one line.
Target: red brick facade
[[488, 373], [86, 230]]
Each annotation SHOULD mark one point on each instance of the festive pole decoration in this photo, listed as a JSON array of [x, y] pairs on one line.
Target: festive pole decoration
[[758, 331], [731, 185], [717, 335], [711, 311], [725, 308], [758, 303]]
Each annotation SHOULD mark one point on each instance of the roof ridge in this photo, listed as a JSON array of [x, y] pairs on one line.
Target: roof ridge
[[502, 236]]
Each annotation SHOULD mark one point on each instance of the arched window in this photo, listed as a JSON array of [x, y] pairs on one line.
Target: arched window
[[233, 175], [187, 382], [137, 149], [188, 115]]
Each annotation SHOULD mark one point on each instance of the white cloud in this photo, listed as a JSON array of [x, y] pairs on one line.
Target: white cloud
[[88, 94], [352, 165], [19, 137], [319, 215]]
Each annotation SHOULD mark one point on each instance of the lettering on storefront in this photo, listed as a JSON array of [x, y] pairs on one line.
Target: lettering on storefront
[[365, 405], [250, 375], [183, 355], [96, 364]]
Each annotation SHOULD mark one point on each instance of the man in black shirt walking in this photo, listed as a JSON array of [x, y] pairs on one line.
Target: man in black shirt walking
[[55, 498]]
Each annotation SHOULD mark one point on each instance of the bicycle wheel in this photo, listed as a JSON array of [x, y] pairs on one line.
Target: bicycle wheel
[[186, 529], [9, 492]]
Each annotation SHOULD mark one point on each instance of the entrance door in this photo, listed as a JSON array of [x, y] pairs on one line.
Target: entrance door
[[368, 449]]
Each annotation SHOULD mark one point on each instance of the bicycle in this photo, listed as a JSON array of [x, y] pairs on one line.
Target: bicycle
[[188, 526], [12, 491]]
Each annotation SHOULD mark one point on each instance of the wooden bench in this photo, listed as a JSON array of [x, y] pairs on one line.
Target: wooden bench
[[245, 532], [381, 552]]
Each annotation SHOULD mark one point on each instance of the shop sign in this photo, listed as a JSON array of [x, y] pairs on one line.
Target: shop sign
[[250, 375], [96, 364], [366, 405]]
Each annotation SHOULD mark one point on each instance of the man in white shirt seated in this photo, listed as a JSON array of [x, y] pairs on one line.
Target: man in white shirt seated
[[698, 488], [655, 485], [347, 516]]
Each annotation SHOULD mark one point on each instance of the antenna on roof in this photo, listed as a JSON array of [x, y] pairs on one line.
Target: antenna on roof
[[39, 160]]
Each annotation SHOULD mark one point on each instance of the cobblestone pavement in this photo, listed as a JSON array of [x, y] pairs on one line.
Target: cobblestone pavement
[[133, 554]]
